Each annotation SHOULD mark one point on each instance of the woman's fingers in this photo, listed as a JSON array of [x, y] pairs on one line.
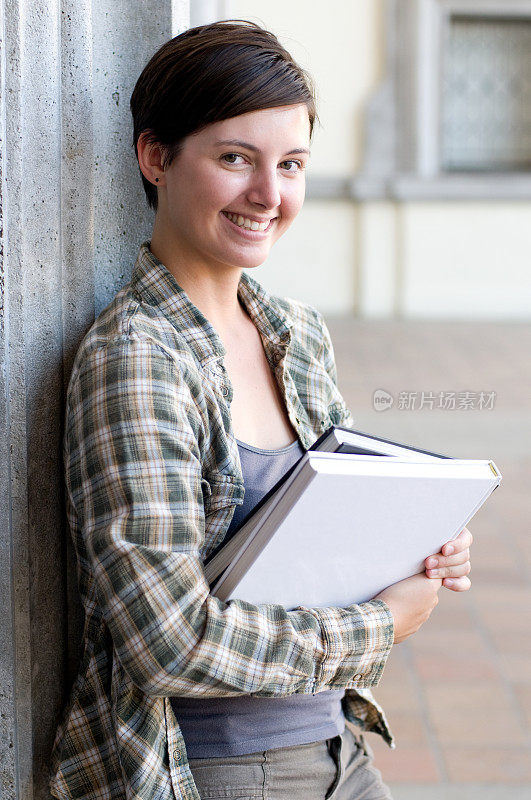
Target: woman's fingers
[[458, 544], [454, 571], [457, 584], [452, 564], [438, 561], [452, 553]]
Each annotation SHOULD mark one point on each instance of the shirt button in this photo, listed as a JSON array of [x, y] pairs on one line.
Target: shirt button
[[177, 755]]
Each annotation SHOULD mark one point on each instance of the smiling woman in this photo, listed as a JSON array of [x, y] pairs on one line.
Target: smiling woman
[[191, 395]]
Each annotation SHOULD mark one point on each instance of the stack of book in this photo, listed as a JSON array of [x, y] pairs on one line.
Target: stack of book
[[355, 514]]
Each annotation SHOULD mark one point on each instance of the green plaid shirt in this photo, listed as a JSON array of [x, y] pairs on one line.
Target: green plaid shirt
[[153, 477]]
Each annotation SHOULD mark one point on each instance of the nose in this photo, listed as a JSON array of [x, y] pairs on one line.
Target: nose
[[264, 190]]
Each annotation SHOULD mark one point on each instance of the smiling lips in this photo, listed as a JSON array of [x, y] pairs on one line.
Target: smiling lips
[[245, 222]]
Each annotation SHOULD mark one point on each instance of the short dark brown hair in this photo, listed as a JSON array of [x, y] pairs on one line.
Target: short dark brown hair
[[211, 73]]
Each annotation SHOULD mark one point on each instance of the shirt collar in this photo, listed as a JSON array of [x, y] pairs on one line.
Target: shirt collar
[[156, 285]]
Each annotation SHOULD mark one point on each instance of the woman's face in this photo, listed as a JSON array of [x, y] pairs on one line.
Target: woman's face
[[236, 187]]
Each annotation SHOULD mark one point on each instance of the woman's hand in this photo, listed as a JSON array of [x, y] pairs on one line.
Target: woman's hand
[[411, 602], [452, 564]]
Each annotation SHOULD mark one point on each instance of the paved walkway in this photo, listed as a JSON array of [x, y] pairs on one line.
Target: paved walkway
[[458, 693]]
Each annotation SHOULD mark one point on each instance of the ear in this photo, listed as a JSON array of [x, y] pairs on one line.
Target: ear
[[150, 159]]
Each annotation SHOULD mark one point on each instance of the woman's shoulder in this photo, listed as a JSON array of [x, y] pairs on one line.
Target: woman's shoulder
[[127, 324]]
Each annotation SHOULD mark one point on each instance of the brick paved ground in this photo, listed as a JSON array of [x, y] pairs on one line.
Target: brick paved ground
[[458, 693]]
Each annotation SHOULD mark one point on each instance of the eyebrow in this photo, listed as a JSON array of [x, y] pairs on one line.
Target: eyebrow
[[247, 146]]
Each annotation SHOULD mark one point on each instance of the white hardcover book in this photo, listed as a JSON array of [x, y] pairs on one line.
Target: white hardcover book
[[346, 527], [272, 503], [335, 439]]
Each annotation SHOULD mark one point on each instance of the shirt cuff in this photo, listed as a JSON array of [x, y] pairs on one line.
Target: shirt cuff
[[358, 640]]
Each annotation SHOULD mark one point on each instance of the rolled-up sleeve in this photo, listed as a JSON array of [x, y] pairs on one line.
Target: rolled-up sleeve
[[133, 474]]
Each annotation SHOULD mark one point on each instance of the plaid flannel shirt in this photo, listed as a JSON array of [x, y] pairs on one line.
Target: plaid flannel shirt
[[153, 476]]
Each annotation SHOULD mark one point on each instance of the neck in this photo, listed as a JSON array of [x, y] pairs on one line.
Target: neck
[[213, 289]]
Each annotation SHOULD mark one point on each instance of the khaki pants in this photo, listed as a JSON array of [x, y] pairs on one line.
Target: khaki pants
[[336, 769]]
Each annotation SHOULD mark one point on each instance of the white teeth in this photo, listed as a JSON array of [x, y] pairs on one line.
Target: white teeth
[[245, 222]]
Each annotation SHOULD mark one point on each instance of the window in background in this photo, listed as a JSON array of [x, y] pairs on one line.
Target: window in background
[[486, 94], [452, 116]]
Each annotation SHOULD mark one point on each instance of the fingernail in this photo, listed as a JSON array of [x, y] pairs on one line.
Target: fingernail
[[449, 550], [448, 582], [432, 562]]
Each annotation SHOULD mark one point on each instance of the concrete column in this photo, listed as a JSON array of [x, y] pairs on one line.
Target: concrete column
[[73, 214]]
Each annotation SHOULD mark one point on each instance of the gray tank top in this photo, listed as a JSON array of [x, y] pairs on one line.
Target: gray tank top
[[222, 726]]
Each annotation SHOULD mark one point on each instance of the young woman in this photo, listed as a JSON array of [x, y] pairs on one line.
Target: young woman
[[193, 392]]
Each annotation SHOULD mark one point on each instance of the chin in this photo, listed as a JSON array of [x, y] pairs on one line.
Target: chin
[[255, 263], [247, 262]]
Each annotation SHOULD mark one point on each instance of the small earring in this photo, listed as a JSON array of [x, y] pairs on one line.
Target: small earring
[[156, 180]]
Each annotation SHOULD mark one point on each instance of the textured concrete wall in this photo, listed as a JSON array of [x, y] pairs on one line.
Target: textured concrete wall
[[73, 215]]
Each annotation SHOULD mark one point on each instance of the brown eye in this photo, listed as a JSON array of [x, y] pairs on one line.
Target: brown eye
[[292, 165], [230, 158]]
